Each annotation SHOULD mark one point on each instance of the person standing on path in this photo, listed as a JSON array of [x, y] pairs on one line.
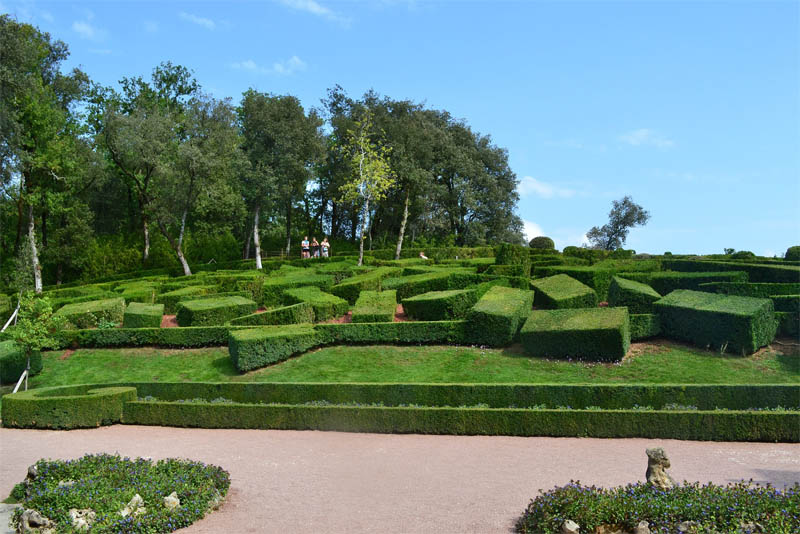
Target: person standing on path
[[315, 247], [304, 244], [325, 247]]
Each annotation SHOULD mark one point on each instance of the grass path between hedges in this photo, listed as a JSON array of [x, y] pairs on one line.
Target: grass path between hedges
[[661, 362]]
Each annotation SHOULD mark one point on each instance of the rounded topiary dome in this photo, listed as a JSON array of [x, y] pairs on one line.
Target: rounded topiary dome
[[542, 242], [793, 253]]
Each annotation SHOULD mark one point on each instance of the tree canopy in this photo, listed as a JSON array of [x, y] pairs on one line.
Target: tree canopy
[[624, 215]]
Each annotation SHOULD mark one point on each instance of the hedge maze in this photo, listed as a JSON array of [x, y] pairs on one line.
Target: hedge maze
[[554, 305]]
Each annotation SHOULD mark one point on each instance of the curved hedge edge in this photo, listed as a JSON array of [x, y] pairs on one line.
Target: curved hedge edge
[[67, 407], [693, 425]]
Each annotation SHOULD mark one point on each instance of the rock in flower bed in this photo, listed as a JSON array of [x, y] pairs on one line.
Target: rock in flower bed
[[112, 494], [735, 508]]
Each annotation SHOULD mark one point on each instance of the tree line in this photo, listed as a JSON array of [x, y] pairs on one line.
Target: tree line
[[88, 173]]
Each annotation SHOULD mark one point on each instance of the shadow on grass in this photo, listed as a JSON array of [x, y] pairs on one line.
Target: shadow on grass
[[224, 366]]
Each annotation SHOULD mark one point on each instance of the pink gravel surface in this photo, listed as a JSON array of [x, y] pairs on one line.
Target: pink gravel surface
[[303, 481]]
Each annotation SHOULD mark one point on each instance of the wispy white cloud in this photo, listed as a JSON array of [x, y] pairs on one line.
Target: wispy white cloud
[[150, 26], [530, 229], [315, 8], [646, 137], [279, 68], [200, 21], [87, 30], [531, 186]]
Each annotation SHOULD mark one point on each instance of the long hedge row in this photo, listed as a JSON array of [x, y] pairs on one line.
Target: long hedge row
[[756, 272]]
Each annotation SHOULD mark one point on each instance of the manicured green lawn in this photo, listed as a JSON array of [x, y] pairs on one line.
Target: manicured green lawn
[[666, 363]]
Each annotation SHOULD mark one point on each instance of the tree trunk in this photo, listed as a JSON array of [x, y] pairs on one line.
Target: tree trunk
[[402, 228], [37, 268], [289, 229], [59, 273], [256, 239], [146, 233], [334, 219], [363, 229], [246, 249], [20, 223], [177, 245], [44, 229]]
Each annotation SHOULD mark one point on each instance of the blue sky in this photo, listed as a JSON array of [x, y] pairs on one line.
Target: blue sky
[[692, 108]]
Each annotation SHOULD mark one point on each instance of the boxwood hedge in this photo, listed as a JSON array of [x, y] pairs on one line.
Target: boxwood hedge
[[138, 315], [171, 298], [273, 288], [441, 305], [600, 334], [299, 313], [746, 289], [668, 281], [375, 307], [213, 311], [597, 278], [325, 305], [786, 303], [88, 314], [644, 325], [733, 323], [788, 324], [350, 288], [256, 347], [422, 332], [496, 317], [756, 272], [192, 336], [562, 291], [13, 361], [635, 296]]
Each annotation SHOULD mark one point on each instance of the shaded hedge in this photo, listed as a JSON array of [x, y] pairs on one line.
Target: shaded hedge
[[256, 347], [596, 278], [171, 298], [595, 334], [644, 325], [138, 315], [62, 408], [736, 324], [273, 288], [352, 287], [786, 303], [635, 296], [442, 305], [13, 361], [213, 311], [756, 272], [89, 314], [325, 305], [497, 316], [562, 291], [747, 289], [788, 324], [668, 281], [375, 307], [299, 313]]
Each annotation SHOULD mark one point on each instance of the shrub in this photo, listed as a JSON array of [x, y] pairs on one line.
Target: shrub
[[375, 307], [13, 361], [352, 287], [508, 254], [401, 332], [738, 324], [67, 407], [138, 315], [192, 336], [562, 291], [5, 307], [57, 303], [635, 296], [788, 324], [299, 313], [144, 294], [792, 253], [325, 305], [88, 314], [666, 282], [756, 272], [256, 347], [106, 483], [170, 299], [601, 334], [507, 270], [712, 508], [213, 311], [272, 289], [786, 303], [441, 305], [644, 325], [542, 242], [597, 279], [497, 316], [745, 289], [743, 255]]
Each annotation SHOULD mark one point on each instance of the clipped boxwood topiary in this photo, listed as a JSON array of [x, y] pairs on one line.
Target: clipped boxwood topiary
[[508, 254], [496, 317], [562, 291], [89, 314], [325, 305], [138, 315], [213, 311], [637, 297], [13, 361], [792, 253], [542, 242], [170, 299], [299, 313], [644, 325], [375, 307], [256, 347], [441, 305]]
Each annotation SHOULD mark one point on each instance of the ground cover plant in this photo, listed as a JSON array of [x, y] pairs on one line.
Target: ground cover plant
[[712, 507], [106, 484]]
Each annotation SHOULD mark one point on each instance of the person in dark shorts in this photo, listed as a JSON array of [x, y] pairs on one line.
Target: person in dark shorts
[[314, 247], [304, 244]]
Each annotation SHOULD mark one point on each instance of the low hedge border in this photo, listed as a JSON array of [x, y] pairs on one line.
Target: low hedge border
[[13, 361], [644, 325], [138, 315], [89, 314], [635, 296], [786, 303], [325, 305], [666, 282], [597, 279], [257, 347], [191, 336], [352, 287], [375, 307], [497, 316], [442, 305], [213, 311], [747, 289], [423, 332], [170, 299], [562, 291], [756, 272], [62, 408], [295, 314], [273, 288]]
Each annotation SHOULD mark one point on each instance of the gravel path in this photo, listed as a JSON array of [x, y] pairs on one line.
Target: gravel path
[[298, 482]]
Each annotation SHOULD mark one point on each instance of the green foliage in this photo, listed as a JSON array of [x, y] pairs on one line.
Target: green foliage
[[594, 334], [743, 255], [508, 254], [792, 253], [106, 484], [213, 311], [635, 296], [729, 323], [401, 332], [88, 314], [624, 215], [273, 288], [299, 313], [375, 307], [644, 325], [325, 305], [192, 336], [170, 299], [14, 360], [745, 289], [498, 315], [562, 291], [788, 324], [257, 347], [83, 406], [666, 282], [757, 272], [542, 242], [711, 507], [138, 315], [441, 305], [598, 279], [786, 303], [36, 324], [352, 287]]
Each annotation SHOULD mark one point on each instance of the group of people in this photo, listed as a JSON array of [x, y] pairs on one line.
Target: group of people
[[313, 248]]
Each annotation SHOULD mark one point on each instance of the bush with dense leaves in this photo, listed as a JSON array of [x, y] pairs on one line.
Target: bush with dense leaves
[[299, 313], [13, 361], [256, 347], [375, 307], [213, 311], [106, 483], [441, 305], [635, 296], [138, 315], [325, 305], [714, 508], [496, 317], [89, 314], [792, 253], [562, 291], [508, 254], [542, 242]]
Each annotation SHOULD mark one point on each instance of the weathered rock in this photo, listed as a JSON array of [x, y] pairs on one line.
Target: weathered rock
[[172, 501], [751, 528], [33, 472], [657, 465], [82, 519], [687, 526], [642, 528], [65, 483], [32, 522], [570, 527], [134, 507], [609, 529]]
